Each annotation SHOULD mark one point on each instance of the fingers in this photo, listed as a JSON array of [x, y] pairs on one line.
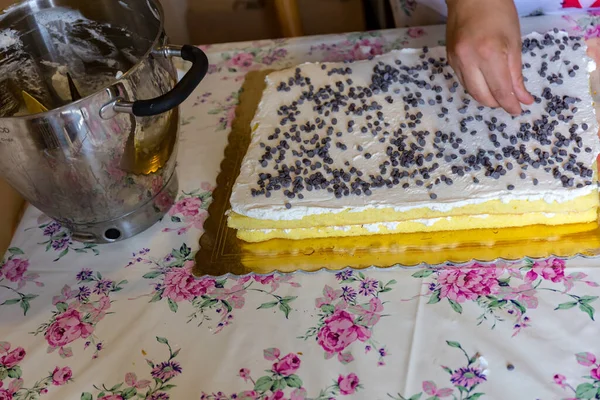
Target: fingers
[[498, 77], [516, 73], [476, 85], [491, 73], [466, 67], [457, 71]]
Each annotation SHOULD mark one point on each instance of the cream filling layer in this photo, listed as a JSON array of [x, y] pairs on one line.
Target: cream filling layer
[[391, 226]]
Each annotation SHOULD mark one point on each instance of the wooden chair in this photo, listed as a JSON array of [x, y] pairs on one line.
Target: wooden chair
[[288, 16], [11, 208]]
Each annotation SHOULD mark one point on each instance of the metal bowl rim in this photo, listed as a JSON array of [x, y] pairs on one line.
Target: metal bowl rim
[[129, 72]]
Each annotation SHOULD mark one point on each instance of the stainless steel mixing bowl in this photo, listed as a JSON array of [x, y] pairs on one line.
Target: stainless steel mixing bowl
[[103, 165]]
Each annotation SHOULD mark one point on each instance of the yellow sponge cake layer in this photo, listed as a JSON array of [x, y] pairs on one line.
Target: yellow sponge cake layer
[[463, 222], [347, 217]]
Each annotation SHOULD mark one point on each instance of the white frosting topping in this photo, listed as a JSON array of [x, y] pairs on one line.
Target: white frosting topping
[[405, 120]]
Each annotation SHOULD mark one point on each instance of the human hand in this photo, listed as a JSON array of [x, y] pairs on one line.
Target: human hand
[[484, 49]]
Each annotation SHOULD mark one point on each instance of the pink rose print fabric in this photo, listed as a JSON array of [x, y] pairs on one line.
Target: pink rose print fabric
[[57, 239], [66, 328], [589, 384], [60, 376], [358, 47], [459, 285], [416, 32], [190, 210], [129, 320], [287, 366], [78, 312], [157, 387], [14, 277], [12, 376], [348, 315], [552, 269], [339, 332], [510, 288], [361, 46], [232, 65], [181, 285], [586, 26], [209, 298], [11, 359], [226, 110], [348, 384], [242, 60], [463, 382], [283, 382], [14, 269]]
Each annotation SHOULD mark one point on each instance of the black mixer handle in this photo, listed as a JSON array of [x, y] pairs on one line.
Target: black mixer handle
[[173, 98]]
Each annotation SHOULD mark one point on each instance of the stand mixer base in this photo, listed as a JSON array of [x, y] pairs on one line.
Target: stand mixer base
[[130, 224]]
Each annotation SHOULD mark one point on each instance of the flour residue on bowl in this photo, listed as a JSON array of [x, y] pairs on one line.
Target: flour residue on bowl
[[77, 39], [9, 38], [84, 48]]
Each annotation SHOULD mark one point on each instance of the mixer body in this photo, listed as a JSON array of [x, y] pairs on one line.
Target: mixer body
[[103, 165]]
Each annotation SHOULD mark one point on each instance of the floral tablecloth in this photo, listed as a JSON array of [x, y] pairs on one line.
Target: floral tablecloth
[[128, 320]]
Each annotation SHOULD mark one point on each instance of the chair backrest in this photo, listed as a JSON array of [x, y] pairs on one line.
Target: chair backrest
[[288, 17]]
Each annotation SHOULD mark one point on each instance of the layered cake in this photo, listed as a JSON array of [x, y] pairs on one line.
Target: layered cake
[[394, 144]]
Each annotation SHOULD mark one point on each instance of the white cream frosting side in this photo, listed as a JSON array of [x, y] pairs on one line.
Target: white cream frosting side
[[463, 191], [391, 226]]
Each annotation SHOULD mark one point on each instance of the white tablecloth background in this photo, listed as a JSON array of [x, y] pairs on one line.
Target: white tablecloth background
[[127, 320]]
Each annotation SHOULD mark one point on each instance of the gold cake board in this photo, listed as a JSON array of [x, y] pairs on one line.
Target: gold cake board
[[221, 253]]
